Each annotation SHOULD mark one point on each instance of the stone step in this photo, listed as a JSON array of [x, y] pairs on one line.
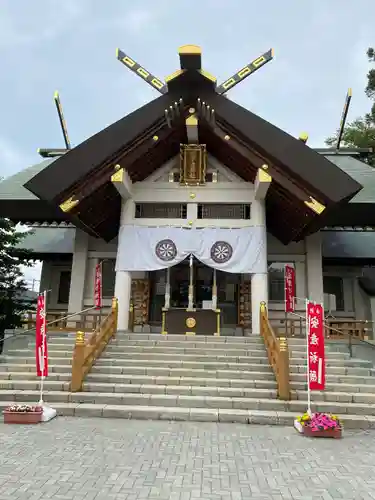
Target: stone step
[[181, 390], [94, 378], [24, 375], [335, 397], [337, 379], [33, 385], [336, 370], [252, 339], [184, 372], [339, 387], [30, 359], [187, 401], [198, 357], [191, 365], [30, 367], [195, 414], [110, 354]]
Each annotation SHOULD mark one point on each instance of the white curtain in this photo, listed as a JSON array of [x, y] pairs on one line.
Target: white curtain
[[143, 248]]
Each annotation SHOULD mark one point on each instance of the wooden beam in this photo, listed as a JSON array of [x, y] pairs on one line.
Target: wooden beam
[[122, 182], [244, 72], [246, 152], [125, 159], [192, 128], [136, 68], [262, 183]]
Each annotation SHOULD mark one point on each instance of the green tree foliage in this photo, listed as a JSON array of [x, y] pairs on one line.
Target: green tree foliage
[[361, 132], [12, 283]]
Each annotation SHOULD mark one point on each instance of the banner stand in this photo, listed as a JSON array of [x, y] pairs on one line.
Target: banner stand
[[307, 362], [48, 413]]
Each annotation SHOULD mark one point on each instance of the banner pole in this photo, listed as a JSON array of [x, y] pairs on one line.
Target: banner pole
[[42, 361], [307, 361]]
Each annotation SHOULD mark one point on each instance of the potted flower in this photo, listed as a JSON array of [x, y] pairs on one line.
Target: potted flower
[[22, 414], [319, 425]]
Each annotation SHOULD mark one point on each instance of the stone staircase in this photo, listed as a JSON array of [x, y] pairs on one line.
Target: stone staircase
[[175, 377]]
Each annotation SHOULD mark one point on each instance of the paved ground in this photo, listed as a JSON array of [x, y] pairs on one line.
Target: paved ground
[[105, 459]]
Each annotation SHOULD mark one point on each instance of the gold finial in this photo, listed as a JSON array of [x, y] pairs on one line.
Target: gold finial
[[114, 303], [304, 137], [263, 307], [80, 338], [191, 110], [265, 166], [192, 195], [190, 222], [190, 49], [117, 167], [155, 138]]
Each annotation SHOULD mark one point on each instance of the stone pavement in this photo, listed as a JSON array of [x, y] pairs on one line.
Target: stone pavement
[[105, 459]]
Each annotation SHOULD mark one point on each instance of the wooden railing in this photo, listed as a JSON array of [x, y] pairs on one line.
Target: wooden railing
[[131, 317], [278, 354], [86, 351], [62, 321], [333, 329]]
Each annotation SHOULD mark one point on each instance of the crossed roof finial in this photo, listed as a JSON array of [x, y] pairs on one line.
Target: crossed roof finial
[[191, 60]]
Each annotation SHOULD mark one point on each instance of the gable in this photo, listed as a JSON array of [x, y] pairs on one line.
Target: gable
[[220, 172]]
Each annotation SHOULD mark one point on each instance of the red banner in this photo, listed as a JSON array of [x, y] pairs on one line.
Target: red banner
[[98, 286], [41, 351], [315, 340], [290, 288]]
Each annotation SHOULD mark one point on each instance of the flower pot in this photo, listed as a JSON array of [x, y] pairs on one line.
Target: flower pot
[[328, 433], [18, 417]]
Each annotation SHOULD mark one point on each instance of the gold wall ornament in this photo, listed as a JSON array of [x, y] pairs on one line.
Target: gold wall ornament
[[68, 204], [118, 176], [192, 195], [315, 206], [155, 138], [190, 322], [193, 164]]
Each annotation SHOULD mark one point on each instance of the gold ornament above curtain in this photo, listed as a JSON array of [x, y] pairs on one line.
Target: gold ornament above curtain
[[193, 162]]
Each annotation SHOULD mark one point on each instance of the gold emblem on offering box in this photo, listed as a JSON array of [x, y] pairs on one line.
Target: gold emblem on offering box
[[190, 322], [193, 161]]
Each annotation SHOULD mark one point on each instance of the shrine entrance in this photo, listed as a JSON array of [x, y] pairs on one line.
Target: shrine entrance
[[228, 288]]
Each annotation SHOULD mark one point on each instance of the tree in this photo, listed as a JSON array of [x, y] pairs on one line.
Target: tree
[[361, 132], [12, 283]]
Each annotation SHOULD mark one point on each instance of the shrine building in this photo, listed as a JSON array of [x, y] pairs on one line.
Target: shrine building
[[193, 205]]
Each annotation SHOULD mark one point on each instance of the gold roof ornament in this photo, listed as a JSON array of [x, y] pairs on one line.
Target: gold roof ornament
[[68, 204], [118, 176], [315, 206], [303, 136]]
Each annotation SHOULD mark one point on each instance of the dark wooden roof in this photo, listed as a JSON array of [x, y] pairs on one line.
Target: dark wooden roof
[[142, 141]]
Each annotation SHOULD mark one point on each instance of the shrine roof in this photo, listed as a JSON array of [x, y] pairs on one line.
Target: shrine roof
[[145, 139]]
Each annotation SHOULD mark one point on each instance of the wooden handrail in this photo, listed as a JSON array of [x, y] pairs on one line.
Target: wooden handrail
[[131, 317], [334, 328], [87, 351], [65, 322], [278, 354]]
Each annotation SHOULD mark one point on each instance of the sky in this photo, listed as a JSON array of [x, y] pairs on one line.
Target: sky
[[70, 46]]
